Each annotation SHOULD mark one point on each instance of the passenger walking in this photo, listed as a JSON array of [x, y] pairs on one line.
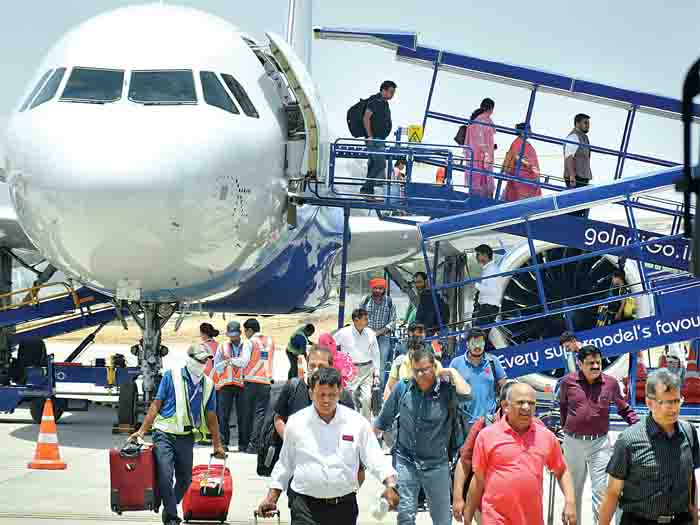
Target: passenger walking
[[577, 157], [508, 463], [490, 289], [297, 345], [529, 168], [257, 377], [425, 311], [323, 447], [229, 362], [183, 412], [480, 149], [377, 123], [652, 469], [360, 343], [485, 375], [382, 318], [341, 361], [463, 471], [584, 402], [422, 407], [402, 368]]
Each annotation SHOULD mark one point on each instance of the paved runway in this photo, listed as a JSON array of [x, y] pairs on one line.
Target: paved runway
[[80, 494]]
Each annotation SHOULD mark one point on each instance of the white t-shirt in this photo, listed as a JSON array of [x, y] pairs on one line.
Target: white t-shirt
[[490, 290], [571, 149], [361, 347]]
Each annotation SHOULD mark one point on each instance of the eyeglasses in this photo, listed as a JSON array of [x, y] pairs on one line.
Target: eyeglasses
[[421, 371], [668, 402]]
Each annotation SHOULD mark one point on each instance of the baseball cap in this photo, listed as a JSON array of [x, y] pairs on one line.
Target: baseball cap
[[198, 352], [233, 328]]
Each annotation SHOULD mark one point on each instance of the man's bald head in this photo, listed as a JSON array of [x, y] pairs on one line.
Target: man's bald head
[[522, 402]]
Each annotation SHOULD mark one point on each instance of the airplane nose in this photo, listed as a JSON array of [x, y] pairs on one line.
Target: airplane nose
[[105, 201]]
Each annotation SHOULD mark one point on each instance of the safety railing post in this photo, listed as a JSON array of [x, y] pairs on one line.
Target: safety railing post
[[626, 135], [536, 264], [436, 68], [432, 283], [344, 268]]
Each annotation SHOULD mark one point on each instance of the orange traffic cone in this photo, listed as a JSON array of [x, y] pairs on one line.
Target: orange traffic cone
[[47, 456]]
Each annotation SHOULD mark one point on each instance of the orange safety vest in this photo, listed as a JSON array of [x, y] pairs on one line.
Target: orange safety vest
[[231, 375], [259, 369], [212, 346]]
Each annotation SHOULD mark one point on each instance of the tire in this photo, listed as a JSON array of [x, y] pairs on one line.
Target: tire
[[37, 409], [128, 398]]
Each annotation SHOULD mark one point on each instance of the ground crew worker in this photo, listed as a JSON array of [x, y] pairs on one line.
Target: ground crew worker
[[584, 402], [229, 362], [297, 346], [183, 412], [324, 445], [257, 377]]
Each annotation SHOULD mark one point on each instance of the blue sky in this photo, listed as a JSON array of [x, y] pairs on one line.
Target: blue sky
[[636, 45]]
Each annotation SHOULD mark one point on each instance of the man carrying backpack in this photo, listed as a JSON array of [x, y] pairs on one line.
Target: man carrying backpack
[[425, 409], [377, 125]]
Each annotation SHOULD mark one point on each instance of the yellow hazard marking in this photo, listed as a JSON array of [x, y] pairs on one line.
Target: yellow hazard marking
[[415, 133]]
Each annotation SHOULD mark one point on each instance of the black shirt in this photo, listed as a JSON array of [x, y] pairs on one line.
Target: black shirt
[[425, 312], [295, 396], [656, 468], [381, 117]]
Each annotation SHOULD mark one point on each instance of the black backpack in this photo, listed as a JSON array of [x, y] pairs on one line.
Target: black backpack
[[270, 442], [355, 116]]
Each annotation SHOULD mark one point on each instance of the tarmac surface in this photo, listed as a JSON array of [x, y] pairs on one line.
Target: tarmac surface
[[80, 494]]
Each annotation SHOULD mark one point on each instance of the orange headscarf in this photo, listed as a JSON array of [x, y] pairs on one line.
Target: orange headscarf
[[377, 282]]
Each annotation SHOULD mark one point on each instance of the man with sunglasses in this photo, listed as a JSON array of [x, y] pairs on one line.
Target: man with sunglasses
[[584, 401], [652, 469]]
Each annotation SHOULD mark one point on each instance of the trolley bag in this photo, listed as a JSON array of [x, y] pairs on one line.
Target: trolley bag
[[209, 495], [132, 472], [257, 516]]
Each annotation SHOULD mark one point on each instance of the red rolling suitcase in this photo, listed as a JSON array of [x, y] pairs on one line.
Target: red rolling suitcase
[[209, 495], [132, 472]]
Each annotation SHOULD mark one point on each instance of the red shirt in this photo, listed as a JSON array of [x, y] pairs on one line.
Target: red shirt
[[512, 465], [585, 407]]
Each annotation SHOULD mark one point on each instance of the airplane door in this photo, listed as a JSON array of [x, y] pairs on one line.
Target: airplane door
[[312, 110]]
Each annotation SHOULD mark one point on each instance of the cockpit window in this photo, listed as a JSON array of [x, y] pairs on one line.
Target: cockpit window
[[240, 95], [215, 94], [162, 87], [96, 86], [50, 88], [36, 89]]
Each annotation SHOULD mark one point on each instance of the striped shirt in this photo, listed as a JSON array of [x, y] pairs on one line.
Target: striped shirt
[[656, 468], [380, 314]]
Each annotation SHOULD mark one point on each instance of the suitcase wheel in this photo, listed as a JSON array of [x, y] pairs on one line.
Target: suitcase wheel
[[188, 516], [222, 518]]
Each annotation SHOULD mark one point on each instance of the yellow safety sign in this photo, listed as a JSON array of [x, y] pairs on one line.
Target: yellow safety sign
[[415, 133]]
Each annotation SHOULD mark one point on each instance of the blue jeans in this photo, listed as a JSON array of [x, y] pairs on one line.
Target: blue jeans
[[436, 484], [384, 342], [376, 166], [173, 457]]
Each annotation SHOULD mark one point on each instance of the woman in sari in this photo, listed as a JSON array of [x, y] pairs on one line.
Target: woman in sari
[[342, 362], [529, 169], [479, 142]]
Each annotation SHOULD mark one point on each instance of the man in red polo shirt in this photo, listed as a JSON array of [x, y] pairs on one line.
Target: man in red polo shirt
[[509, 460]]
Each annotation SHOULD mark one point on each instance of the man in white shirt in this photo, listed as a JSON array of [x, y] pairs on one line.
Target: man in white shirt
[[490, 290], [360, 343], [323, 447]]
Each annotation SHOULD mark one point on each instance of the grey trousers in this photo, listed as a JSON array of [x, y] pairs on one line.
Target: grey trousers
[[585, 457], [361, 389]]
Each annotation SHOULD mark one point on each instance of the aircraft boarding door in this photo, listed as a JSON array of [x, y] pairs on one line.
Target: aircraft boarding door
[[299, 80]]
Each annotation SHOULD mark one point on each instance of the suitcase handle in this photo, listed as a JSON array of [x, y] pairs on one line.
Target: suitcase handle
[[131, 449], [257, 515], [211, 456]]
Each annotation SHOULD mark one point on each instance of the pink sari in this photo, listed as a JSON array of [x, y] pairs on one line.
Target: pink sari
[[529, 169], [342, 362], [480, 139]]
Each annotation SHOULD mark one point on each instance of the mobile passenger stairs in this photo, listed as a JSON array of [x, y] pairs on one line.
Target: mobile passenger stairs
[[562, 279]]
